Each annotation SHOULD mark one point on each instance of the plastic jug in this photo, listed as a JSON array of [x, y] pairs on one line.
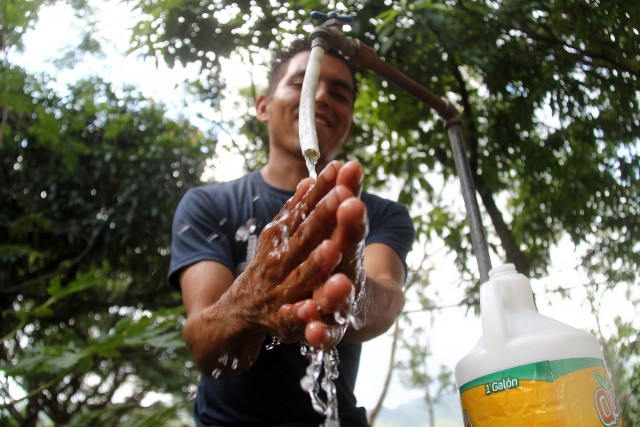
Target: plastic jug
[[528, 369]]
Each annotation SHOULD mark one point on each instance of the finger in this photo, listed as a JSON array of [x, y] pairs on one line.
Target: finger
[[316, 228], [290, 326], [307, 311], [335, 296], [349, 234], [275, 233], [296, 210], [311, 273], [351, 176], [352, 224], [301, 191], [320, 335], [325, 182]]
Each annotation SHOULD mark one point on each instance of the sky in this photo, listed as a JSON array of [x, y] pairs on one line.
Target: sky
[[452, 331]]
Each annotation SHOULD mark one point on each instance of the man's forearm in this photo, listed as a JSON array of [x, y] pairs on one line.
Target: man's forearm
[[221, 341], [375, 310]]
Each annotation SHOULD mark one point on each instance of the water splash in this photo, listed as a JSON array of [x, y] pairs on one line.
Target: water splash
[[284, 233], [245, 230], [361, 276], [283, 236], [322, 363]]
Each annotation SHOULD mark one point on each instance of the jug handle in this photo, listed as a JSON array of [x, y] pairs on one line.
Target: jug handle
[[495, 328]]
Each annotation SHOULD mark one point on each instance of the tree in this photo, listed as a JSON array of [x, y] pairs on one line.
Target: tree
[[548, 93], [506, 65], [90, 181]]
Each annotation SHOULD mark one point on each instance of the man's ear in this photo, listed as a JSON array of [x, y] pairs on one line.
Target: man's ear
[[262, 107]]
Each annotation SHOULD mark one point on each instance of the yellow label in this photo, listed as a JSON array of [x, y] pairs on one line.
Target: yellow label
[[560, 393]]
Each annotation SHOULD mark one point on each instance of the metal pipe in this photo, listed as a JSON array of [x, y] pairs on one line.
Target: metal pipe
[[478, 240], [332, 37]]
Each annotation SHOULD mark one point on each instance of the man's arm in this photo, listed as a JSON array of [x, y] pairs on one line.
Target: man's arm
[[216, 330]]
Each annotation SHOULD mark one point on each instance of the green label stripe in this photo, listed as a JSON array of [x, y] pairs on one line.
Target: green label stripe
[[540, 371], [567, 366]]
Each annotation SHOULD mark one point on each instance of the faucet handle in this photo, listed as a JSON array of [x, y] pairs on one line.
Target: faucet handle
[[344, 19]]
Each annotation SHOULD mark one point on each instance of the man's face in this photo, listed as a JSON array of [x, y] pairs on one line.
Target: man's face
[[333, 106]]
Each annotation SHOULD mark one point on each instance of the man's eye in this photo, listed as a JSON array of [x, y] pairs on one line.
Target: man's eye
[[341, 96]]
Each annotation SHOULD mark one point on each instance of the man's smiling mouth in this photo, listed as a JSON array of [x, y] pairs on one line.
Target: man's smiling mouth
[[320, 120]]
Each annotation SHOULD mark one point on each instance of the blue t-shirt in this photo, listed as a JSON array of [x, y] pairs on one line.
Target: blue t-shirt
[[221, 222]]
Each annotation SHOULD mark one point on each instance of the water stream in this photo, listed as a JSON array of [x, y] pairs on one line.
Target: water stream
[[311, 160], [321, 373], [323, 363]]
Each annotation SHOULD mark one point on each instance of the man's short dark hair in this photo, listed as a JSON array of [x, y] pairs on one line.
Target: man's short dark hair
[[284, 55]]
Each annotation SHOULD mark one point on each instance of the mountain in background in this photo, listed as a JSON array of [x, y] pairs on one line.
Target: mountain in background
[[414, 413]]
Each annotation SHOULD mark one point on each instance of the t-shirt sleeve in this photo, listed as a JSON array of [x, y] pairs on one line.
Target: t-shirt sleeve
[[198, 233], [390, 223]]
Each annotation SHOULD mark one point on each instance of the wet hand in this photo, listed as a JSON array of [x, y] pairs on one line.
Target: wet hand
[[317, 233], [326, 315]]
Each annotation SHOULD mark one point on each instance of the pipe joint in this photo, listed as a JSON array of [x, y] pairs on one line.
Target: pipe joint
[[320, 36]]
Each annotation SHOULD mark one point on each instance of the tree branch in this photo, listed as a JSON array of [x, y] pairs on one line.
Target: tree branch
[[390, 369], [56, 271]]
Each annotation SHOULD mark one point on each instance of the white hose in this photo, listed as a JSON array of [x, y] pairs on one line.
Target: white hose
[[306, 113]]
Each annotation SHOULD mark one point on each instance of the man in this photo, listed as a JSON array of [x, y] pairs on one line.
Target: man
[[241, 291]]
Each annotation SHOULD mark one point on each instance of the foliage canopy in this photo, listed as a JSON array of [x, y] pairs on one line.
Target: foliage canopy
[[548, 92]]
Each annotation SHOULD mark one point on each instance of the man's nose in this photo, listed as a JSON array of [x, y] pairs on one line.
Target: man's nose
[[322, 93]]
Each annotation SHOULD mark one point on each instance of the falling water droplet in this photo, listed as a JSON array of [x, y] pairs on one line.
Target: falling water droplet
[[284, 233], [340, 318], [184, 228], [234, 363], [274, 342], [245, 230], [223, 359], [355, 322], [216, 373], [212, 237]]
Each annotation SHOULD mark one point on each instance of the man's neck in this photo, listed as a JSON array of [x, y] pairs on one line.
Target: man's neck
[[285, 171]]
